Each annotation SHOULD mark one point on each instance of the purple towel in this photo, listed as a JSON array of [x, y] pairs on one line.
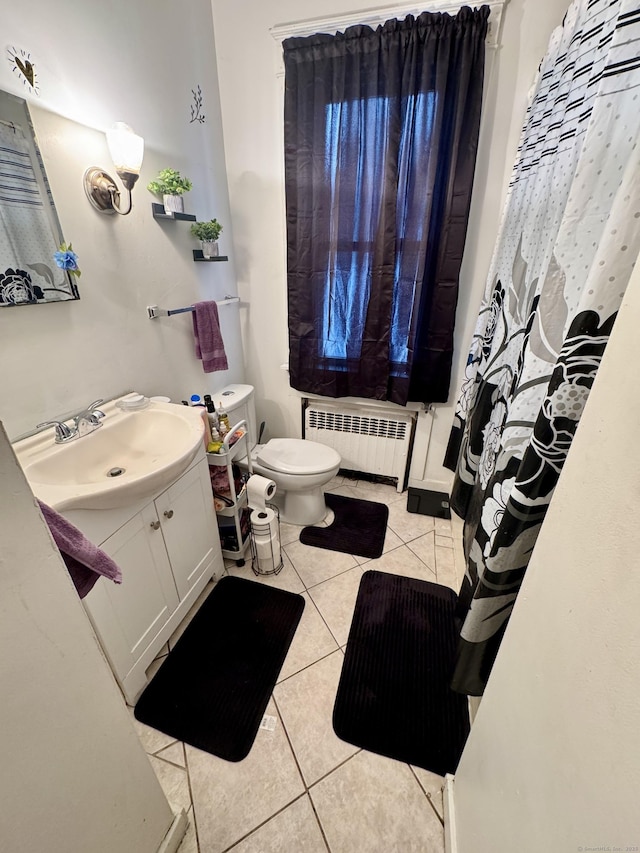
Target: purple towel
[[84, 560], [209, 343]]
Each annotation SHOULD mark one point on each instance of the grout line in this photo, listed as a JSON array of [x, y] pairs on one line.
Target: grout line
[[413, 538], [343, 572], [166, 746], [433, 571], [284, 548], [295, 799], [286, 734], [308, 666], [333, 770], [328, 773], [170, 763], [427, 795], [337, 575], [193, 805], [319, 822], [264, 822], [438, 815], [335, 639]]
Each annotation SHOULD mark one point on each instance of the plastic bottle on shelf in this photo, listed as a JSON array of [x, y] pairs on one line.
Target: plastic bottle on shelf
[[195, 400], [223, 421], [213, 421]]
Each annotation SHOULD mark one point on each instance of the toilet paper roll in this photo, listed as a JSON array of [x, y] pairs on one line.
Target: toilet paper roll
[[267, 553], [268, 549], [266, 541], [259, 491], [263, 521]]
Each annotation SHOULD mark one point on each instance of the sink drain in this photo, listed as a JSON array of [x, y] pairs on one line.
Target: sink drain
[[115, 472]]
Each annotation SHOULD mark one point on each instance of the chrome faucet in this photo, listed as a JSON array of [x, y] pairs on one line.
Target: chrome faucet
[[89, 419], [86, 421], [63, 432]]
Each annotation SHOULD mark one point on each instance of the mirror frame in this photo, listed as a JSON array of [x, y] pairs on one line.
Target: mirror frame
[[17, 277]]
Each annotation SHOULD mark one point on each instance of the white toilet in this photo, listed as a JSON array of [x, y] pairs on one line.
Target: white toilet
[[299, 468]]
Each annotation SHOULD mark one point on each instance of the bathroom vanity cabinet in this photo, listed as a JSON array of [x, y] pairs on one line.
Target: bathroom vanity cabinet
[[167, 549]]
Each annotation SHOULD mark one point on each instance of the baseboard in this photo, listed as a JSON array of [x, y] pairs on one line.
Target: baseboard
[[431, 484], [176, 833], [450, 838]]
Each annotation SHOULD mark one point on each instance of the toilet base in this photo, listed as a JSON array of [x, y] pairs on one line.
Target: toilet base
[[302, 508]]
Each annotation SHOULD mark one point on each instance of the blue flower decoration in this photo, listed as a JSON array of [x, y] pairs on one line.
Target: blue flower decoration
[[67, 259]]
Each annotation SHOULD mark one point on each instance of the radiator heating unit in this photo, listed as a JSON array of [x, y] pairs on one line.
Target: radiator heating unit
[[369, 440]]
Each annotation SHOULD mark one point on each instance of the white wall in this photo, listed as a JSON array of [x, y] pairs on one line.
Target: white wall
[[251, 97], [74, 775], [553, 759], [97, 63]]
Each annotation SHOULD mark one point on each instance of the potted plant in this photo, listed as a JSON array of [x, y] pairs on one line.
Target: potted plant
[[208, 233], [170, 185]]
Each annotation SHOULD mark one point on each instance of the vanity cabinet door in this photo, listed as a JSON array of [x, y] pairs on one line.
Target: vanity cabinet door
[[128, 616], [189, 528]]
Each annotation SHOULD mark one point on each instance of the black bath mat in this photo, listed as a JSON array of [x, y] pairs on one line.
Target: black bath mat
[[394, 696], [359, 527], [214, 686]]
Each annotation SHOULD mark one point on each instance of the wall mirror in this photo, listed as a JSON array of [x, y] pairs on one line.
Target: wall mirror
[[30, 231]]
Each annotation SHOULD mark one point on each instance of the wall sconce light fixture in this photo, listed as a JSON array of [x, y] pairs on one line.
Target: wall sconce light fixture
[[126, 151]]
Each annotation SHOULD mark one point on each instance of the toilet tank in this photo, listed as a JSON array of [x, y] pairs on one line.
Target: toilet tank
[[239, 404]]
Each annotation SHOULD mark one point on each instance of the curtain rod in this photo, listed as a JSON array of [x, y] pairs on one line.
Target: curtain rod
[[375, 17], [153, 312]]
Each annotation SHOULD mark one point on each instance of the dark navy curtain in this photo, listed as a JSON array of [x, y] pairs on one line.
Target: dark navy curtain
[[381, 132]]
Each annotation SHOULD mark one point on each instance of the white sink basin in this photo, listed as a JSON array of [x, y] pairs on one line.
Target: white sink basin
[[146, 450]]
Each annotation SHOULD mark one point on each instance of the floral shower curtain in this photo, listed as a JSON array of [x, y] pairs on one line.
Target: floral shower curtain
[[569, 239]]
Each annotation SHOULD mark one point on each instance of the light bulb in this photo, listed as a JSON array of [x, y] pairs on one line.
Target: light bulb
[[126, 149]]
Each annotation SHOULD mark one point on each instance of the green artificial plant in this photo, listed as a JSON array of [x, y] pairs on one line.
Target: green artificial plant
[[169, 182], [207, 230]]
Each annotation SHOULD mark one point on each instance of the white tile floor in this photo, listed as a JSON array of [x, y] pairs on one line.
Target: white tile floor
[[301, 788]]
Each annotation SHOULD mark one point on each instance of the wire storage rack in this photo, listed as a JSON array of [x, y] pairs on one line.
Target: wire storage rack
[[233, 521], [266, 553]]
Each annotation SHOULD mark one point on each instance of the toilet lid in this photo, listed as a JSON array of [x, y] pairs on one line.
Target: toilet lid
[[297, 456]]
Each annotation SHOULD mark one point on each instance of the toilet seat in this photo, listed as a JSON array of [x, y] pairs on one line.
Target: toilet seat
[[297, 456]]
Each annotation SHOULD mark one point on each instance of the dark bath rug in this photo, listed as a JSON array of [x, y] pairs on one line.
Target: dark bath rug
[[214, 686], [394, 696], [359, 527]]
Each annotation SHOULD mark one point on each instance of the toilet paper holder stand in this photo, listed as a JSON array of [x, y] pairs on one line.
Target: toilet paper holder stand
[[266, 552]]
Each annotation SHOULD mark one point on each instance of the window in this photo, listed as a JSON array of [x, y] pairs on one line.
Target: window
[[353, 135]]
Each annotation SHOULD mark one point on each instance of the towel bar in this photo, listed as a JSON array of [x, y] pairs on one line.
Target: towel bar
[[153, 312]]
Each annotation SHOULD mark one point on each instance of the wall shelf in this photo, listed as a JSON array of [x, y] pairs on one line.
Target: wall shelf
[[198, 256], [160, 213]]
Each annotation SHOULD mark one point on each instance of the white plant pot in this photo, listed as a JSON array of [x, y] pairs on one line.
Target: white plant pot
[[173, 203], [210, 248]]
